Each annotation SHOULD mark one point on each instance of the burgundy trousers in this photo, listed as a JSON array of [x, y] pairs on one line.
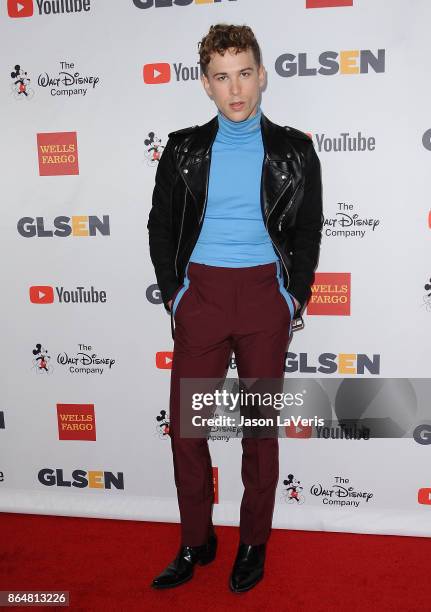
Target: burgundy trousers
[[217, 311]]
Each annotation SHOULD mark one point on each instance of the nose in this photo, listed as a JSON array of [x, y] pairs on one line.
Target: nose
[[234, 86]]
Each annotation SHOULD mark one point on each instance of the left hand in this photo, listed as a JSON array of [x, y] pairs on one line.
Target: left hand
[[297, 304]]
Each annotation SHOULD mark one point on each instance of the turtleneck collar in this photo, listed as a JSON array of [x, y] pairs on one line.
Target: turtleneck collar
[[239, 130]]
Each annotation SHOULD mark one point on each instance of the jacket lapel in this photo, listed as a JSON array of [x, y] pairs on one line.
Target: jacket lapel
[[277, 170]]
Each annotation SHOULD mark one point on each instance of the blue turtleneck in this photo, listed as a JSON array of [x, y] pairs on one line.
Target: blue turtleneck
[[233, 232]]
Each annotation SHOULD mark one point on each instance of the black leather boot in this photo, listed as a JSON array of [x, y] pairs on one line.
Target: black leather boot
[[182, 567], [248, 567]]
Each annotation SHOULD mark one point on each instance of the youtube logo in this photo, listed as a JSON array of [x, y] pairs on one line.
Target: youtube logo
[[164, 360], [154, 74], [298, 431], [41, 294], [424, 496], [20, 8]]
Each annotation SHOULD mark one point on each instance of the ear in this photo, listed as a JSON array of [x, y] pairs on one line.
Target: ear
[[261, 72], [205, 82]]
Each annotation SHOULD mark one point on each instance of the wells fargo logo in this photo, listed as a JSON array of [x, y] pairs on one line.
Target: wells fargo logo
[[327, 3], [58, 153], [215, 483], [76, 422], [330, 294]]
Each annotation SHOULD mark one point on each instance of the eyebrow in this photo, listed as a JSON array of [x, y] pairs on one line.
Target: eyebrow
[[242, 70]]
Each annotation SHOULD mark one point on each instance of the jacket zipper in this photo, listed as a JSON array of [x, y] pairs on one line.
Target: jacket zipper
[[288, 206], [266, 223], [181, 230], [206, 191]]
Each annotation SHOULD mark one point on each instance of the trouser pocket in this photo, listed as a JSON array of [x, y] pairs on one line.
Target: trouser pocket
[[177, 299], [285, 294]]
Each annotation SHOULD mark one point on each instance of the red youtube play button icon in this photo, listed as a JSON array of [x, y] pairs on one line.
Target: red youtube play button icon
[[157, 73], [20, 8], [164, 360], [41, 294], [298, 431]]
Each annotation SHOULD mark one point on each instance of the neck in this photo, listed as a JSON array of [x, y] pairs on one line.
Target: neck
[[239, 130]]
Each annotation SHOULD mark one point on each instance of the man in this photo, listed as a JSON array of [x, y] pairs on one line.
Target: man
[[234, 233]]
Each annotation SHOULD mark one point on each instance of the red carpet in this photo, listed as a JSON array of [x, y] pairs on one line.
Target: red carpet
[[109, 564]]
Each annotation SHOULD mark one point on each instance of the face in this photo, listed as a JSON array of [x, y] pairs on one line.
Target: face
[[234, 83]]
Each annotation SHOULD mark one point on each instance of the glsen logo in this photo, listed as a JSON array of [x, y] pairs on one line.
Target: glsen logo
[[24, 8], [356, 61], [2, 426], [1, 476], [145, 4], [82, 479], [164, 360], [153, 294], [426, 140], [424, 496], [331, 293], [331, 363], [154, 74], [20, 8], [77, 225], [215, 484], [422, 434], [44, 294], [58, 153], [41, 294], [76, 422], [310, 4]]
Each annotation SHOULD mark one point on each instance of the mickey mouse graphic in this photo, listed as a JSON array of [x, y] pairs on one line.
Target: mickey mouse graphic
[[427, 296], [293, 489], [20, 87], [41, 359], [163, 425], [154, 148]]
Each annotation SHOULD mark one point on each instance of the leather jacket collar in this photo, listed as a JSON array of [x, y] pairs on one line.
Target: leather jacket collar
[[281, 165]]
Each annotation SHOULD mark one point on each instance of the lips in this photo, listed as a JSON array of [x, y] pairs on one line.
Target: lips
[[237, 105]]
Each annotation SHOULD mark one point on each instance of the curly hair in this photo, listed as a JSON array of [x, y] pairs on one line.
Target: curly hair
[[222, 36]]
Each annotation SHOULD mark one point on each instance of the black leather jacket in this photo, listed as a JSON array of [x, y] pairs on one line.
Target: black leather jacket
[[291, 203]]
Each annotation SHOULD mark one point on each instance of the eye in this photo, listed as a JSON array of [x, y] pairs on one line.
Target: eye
[[246, 73], [220, 78]]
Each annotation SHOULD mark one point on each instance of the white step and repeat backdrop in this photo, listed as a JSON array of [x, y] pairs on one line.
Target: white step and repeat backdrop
[[90, 90]]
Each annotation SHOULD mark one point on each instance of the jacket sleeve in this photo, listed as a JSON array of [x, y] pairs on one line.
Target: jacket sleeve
[[308, 230], [161, 239]]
